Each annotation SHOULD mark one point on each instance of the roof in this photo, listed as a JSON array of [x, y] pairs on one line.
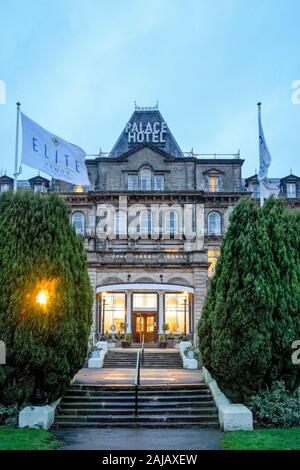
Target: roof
[[146, 125]]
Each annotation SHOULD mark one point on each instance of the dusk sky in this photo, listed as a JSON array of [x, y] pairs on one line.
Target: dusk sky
[[78, 66]]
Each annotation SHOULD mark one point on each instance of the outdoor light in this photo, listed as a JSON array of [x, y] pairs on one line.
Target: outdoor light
[[42, 297]]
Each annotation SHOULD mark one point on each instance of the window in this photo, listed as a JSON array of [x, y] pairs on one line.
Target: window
[[133, 182], [177, 313], [146, 176], [145, 301], [212, 255], [159, 182], [213, 184], [39, 188], [113, 310], [214, 223], [78, 222], [146, 223], [255, 190], [120, 223], [5, 187], [291, 190], [171, 224]]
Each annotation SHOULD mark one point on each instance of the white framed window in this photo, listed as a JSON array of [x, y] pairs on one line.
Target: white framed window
[[114, 311], [291, 190], [39, 188], [133, 182], [5, 187], [146, 177], [255, 190], [171, 224], [145, 301], [177, 312], [146, 223], [159, 182], [214, 223], [214, 184], [120, 223], [78, 221]]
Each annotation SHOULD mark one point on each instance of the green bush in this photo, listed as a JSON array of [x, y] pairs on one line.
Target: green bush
[[39, 252], [251, 314], [9, 416], [275, 407]]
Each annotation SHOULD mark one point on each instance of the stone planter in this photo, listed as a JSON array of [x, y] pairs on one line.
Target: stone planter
[[190, 354], [163, 344], [125, 344]]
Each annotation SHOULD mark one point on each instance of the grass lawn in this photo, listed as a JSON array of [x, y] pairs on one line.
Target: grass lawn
[[262, 439], [27, 439]]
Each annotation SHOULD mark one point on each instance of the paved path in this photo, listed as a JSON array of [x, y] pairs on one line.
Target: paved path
[[139, 439], [148, 376]]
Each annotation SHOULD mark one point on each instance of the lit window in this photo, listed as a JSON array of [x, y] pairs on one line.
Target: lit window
[[133, 182], [78, 222], [291, 190], [177, 313], [146, 223], [120, 223], [159, 182], [255, 190], [146, 180], [171, 224], [214, 223], [213, 184], [114, 311], [145, 301], [212, 255]]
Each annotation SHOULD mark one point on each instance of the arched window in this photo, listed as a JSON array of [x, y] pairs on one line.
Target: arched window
[[120, 223], [171, 224], [214, 223], [78, 221], [146, 223], [146, 177]]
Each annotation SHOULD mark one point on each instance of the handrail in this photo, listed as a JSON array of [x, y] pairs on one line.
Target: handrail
[[137, 381], [143, 348]]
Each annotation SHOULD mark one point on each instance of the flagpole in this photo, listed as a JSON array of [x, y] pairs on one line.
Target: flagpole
[[261, 197], [17, 147]]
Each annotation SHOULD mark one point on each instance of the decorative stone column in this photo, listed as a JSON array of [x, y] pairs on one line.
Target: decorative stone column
[[128, 310], [161, 319]]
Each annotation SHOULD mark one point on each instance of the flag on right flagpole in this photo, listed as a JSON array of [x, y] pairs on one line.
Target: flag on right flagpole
[[267, 188]]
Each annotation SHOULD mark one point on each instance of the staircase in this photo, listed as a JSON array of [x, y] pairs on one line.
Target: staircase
[[152, 360], [159, 406]]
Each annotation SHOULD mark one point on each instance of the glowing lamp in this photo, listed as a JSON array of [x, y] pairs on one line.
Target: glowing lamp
[[42, 297]]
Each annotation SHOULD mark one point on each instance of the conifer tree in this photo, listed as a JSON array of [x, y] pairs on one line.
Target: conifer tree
[[251, 314], [41, 260]]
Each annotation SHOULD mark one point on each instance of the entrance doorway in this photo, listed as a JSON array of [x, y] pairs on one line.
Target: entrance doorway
[[145, 324]]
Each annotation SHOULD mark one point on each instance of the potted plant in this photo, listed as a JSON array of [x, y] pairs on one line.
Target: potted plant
[[126, 341], [162, 341]]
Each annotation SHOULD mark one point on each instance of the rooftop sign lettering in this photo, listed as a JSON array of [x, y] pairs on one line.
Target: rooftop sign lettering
[[154, 132]]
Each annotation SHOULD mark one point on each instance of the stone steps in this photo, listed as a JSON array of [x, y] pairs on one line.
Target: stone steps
[[152, 360], [87, 405]]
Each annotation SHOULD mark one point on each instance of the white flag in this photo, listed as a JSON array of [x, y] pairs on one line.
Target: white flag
[[267, 189], [53, 155], [264, 154]]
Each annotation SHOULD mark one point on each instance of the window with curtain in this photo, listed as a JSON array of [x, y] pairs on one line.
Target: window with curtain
[[120, 223], [214, 223], [146, 176], [171, 224], [146, 223], [177, 312], [133, 182], [78, 221], [113, 309], [291, 190], [159, 182], [213, 184]]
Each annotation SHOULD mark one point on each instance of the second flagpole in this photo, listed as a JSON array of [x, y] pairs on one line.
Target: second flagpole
[[16, 173]]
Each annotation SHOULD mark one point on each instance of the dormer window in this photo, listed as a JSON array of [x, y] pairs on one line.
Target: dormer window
[[159, 182], [214, 186], [255, 190], [4, 187], [146, 177], [291, 190], [39, 188], [133, 182]]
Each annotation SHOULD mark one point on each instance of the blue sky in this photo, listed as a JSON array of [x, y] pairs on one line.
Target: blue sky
[[78, 66]]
